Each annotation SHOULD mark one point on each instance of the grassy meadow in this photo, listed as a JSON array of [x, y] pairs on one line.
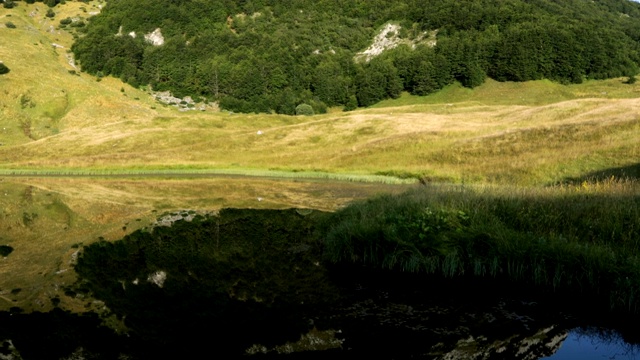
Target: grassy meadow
[[532, 133], [513, 165]]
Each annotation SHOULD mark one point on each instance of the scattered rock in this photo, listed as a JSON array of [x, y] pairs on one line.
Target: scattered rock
[[169, 219], [184, 104]]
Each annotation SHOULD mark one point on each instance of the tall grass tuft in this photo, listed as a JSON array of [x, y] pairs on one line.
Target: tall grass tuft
[[580, 239]]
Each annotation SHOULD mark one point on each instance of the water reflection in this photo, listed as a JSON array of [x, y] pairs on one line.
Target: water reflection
[[595, 344], [46, 220], [239, 281]]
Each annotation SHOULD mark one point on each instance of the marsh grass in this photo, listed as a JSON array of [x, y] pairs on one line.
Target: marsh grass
[[187, 172], [579, 240]]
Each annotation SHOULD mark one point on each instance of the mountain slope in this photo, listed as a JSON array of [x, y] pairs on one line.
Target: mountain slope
[[44, 93], [533, 132], [270, 56]]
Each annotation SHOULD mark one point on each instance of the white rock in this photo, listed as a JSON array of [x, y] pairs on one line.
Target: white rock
[[158, 278], [155, 37]]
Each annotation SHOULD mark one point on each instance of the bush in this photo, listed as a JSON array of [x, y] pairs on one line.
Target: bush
[[352, 104], [10, 25], [304, 109], [3, 69], [50, 13], [8, 4], [5, 250], [65, 21]]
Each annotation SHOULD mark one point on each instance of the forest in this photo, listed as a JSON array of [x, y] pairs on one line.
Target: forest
[[271, 56]]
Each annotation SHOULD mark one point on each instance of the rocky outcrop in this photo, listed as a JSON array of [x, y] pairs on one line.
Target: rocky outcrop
[[155, 38], [389, 38]]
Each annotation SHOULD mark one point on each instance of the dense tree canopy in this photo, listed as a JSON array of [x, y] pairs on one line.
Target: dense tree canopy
[[270, 55]]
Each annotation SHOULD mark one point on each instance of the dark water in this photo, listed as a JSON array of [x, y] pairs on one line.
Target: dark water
[[254, 282]]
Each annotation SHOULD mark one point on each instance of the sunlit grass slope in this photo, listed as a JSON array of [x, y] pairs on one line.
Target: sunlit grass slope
[[520, 133], [44, 93]]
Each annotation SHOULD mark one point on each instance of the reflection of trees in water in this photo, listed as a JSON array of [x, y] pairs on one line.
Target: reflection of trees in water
[[625, 341], [231, 280], [56, 335], [219, 285], [403, 316]]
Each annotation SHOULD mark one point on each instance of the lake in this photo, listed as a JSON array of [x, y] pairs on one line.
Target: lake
[[256, 272]]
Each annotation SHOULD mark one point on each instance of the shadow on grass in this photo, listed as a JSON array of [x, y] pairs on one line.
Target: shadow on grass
[[624, 172]]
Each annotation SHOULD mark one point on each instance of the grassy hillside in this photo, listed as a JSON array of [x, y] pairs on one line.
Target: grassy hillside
[[524, 133], [41, 96]]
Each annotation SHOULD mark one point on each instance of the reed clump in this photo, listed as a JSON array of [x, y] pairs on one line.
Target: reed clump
[[581, 239]]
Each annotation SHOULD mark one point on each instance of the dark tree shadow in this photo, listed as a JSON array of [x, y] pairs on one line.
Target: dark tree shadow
[[624, 172]]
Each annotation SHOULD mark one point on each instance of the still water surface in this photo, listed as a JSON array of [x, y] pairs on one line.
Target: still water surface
[[585, 346]]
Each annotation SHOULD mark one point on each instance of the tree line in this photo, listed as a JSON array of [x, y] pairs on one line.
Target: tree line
[[270, 56]]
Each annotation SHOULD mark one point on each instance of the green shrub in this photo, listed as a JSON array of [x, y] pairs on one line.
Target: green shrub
[[352, 104], [3, 69], [5, 250], [50, 13], [8, 4], [66, 21], [10, 25], [304, 109]]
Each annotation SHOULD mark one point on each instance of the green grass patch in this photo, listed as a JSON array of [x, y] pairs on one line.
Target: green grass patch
[[579, 239], [385, 179]]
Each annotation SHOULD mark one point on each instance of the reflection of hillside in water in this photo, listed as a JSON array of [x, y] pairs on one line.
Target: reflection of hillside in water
[[254, 279], [45, 219], [407, 316], [237, 280]]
